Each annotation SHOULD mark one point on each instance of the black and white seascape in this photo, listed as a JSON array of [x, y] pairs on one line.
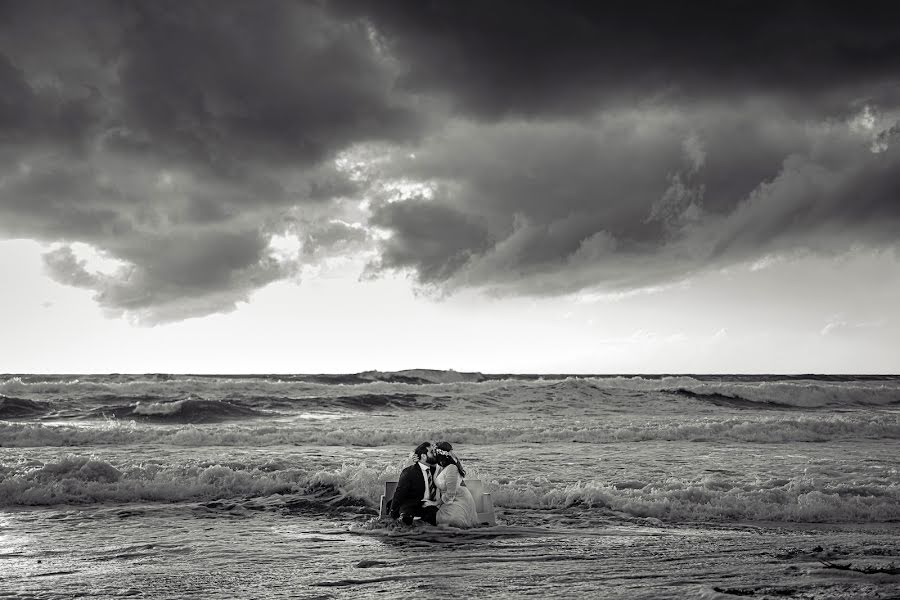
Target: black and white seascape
[[621, 487], [630, 269]]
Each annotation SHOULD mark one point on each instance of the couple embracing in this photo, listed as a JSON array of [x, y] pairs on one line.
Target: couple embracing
[[434, 489]]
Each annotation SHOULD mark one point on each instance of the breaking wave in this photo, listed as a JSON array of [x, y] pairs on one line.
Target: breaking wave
[[190, 410], [765, 394], [772, 429], [810, 392], [88, 480], [195, 399], [799, 499], [16, 408], [787, 395], [280, 486], [361, 402]]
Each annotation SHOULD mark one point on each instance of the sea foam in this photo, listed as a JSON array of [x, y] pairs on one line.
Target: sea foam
[[87, 480], [338, 432], [798, 499], [77, 479]]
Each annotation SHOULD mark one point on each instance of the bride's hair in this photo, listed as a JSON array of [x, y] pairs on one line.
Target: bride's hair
[[444, 454]]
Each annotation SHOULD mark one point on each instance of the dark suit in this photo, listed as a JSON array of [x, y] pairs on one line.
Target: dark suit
[[407, 501]]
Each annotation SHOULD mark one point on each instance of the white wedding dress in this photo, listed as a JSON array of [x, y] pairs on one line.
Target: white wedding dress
[[457, 505]]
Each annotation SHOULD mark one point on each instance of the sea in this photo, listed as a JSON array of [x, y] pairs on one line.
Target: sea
[[268, 486]]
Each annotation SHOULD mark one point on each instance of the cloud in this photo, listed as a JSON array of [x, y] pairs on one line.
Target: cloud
[[64, 267], [838, 326], [429, 236], [319, 236], [189, 274], [549, 57], [824, 204], [178, 138], [529, 147], [634, 198], [282, 85]]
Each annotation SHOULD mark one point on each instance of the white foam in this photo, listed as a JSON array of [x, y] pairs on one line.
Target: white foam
[[159, 408], [800, 499], [87, 480], [337, 432], [77, 479]]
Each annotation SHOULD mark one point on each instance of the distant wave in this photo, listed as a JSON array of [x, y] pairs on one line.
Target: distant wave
[[280, 486], [720, 399], [777, 393], [190, 410], [98, 383], [420, 376], [786, 428], [796, 394], [16, 408], [375, 401], [422, 388]]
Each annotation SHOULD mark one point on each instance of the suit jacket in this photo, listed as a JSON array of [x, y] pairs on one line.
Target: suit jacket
[[410, 491]]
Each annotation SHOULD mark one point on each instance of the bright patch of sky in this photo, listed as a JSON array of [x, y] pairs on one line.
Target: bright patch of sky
[[795, 315]]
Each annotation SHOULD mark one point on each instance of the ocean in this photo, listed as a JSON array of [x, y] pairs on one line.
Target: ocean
[[268, 486]]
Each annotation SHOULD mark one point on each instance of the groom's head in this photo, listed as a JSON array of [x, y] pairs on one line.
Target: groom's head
[[425, 452]]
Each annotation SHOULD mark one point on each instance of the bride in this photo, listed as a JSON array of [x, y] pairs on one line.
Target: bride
[[457, 505]]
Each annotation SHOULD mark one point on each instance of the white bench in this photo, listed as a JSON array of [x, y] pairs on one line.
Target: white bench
[[484, 506]]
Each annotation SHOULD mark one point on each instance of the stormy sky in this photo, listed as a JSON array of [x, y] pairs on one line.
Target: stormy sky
[[489, 185]]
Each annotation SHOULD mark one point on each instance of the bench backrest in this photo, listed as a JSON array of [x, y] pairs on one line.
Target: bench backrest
[[476, 489], [389, 487]]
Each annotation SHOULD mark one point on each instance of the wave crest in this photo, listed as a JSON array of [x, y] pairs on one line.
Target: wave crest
[[800, 499], [785, 395], [87, 480], [806, 428], [16, 408], [416, 389], [358, 486], [190, 410]]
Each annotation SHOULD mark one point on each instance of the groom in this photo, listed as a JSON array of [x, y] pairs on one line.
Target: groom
[[416, 495]]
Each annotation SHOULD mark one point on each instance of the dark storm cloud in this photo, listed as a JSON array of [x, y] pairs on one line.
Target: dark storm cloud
[[819, 206], [178, 137], [434, 239], [636, 198], [518, 146], [217, 82], [61, 200], [29, 116], [534, 57], [625, 144]]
